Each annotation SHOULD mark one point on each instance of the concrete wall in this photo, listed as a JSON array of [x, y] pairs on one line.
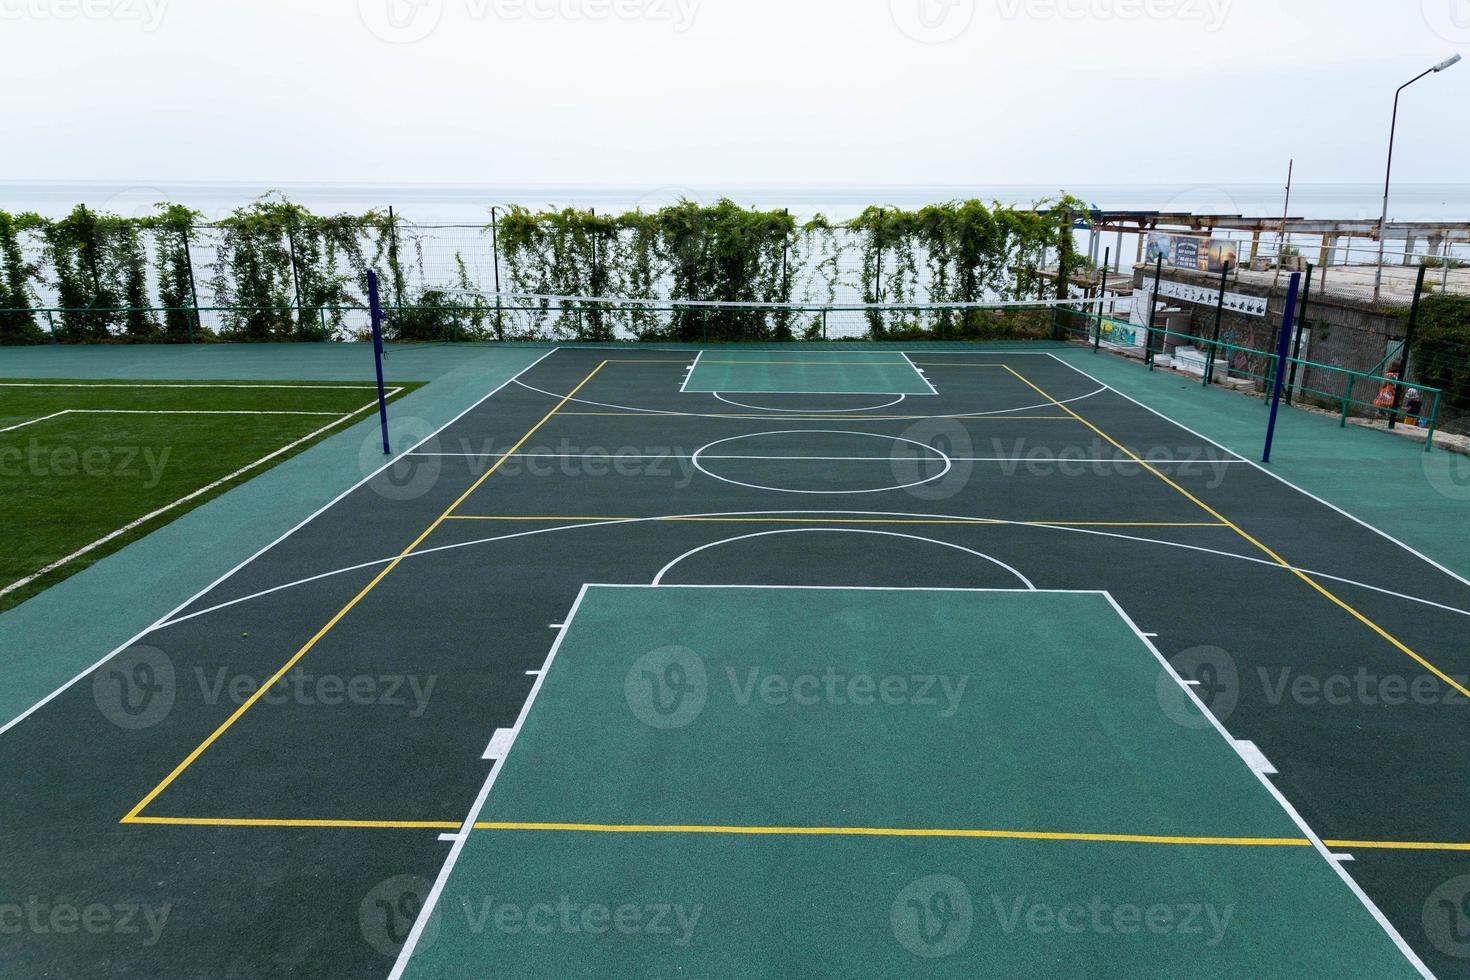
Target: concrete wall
[[1343, 333]]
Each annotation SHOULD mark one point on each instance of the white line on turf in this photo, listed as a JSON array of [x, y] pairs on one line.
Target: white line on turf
[[689, 373], [164, 619], [86, 549], [466, 828], [936, 456], [1275, 476], [803, 411], [1252, 754], [215, 385], [43, 418], [658, 579], [718, 415], [932, 389], [165, 411], [1291, 811], [965, 520], [1073, 460]]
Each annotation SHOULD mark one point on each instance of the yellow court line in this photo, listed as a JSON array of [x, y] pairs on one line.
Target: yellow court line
[[898, 363], [590, 828], [260, 692], [311, 824], [1393, 845], [826, 418], [843, 520], [1267, 551]]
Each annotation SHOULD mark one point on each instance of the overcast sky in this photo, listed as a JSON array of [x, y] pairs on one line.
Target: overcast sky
[[731, 91]]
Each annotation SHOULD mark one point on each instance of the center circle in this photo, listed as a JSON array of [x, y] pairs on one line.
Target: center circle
[[826, 460]]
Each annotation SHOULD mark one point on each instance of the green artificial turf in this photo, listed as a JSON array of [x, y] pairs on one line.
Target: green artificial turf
[[115, 457]]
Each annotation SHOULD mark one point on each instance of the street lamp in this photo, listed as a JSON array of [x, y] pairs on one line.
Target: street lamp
[[1383, 221]]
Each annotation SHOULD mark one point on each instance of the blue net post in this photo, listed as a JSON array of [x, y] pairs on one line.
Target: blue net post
[[1283, 350], [376, 310]]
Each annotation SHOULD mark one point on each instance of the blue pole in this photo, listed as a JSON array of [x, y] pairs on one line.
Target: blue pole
[[1283, 348], [377, 317]]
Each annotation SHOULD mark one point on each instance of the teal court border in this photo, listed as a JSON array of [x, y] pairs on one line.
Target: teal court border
[[807, 373], [541, 847]]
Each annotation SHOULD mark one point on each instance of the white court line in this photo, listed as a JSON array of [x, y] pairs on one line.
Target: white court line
[[1122, 461], [801, 411], [1296, 817], [7, 726], [1275, 476], [689, 373], [658, 579], [219, 384], [966, 520], [43, 418], [466, 828], [165, 411], [797, 418], [60, 562], [932, 390]]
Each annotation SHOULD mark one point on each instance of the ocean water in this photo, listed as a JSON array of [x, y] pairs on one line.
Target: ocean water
[[433, 203]]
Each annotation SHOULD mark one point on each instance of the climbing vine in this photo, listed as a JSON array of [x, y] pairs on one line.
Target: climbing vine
[[274, 270], [17, 321]]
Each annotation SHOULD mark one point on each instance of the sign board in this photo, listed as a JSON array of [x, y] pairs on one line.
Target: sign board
[[1192, 251], [1208, 296]]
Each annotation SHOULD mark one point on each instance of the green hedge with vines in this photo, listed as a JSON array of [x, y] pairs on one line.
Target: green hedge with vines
[[281, 272]]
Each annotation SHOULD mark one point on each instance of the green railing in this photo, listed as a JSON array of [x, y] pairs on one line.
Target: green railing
[[579, 320], [1344, 390]]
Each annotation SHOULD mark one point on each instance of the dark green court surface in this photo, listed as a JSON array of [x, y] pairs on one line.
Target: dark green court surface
[[879, 685], [806, 372], [767, 762]]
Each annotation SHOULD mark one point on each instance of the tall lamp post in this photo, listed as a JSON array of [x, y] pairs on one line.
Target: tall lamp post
[[1383, 221]]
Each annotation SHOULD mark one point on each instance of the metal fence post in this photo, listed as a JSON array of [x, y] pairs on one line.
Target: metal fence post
[[1301, 323], [1219, 321], [1148, 348], [1403, 378], [376, 310], [1288, 317]]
